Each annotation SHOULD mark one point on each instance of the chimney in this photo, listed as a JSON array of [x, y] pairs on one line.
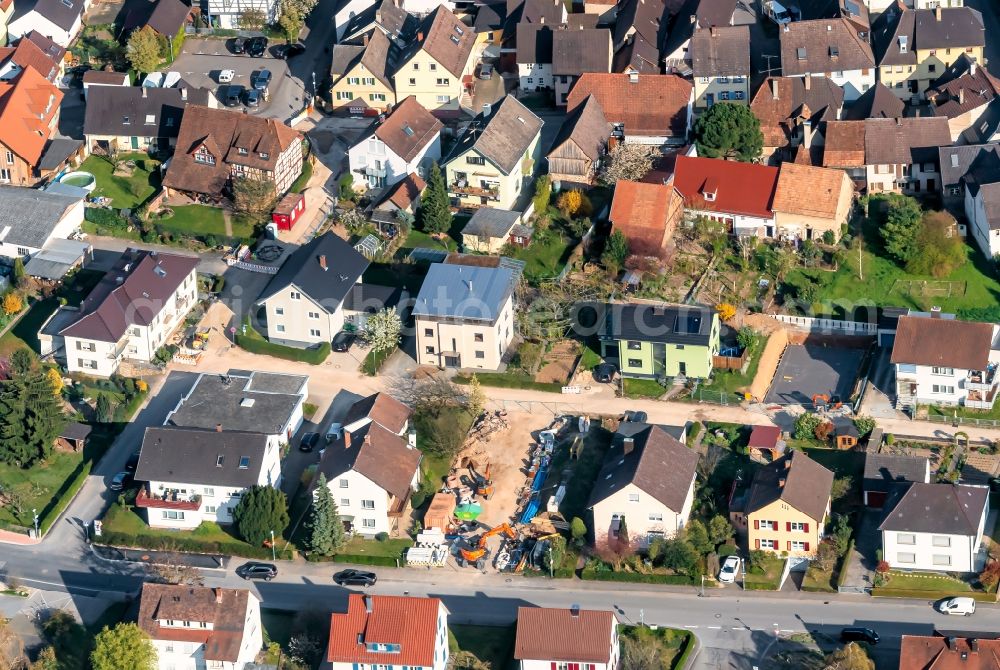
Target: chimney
[[420, 35], [972, 68], [937, 12], [145, 90], [714, 31], [935, 312], [633, 77], [541, 21], [364, 40], [694, 19], [218, 428], [781, 483], [322, 262], [628, 445], [974, 645], [411, 439], [218, 596], [961, 96], [574, 611], [807, 81], [807, 134], [368, 604], [184, 94], [950, 641], [774, 88]]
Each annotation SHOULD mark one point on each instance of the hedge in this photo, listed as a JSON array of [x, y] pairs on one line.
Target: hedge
[[255, 345], [637, 577], [188, 544], [885, 592], [509, 381], [359, 559], [680, 662], [65, 496], [104, 217], [842, 575]]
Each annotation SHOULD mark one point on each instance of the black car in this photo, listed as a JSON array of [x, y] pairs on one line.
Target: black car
[[256, 46], [343, 340], [233, 96], [309, 442], [604, 373], [121, 481], [252, 98], [286, 51], [238, 45], [133, 462], [859, 634], [635, 416], [261, 80], [254, 570], [355, 578]]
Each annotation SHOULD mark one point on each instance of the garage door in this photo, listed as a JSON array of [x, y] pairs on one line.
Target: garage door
[[874, 498], [886, 339]]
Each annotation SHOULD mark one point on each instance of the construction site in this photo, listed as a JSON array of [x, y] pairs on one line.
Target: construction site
[[515, 485]]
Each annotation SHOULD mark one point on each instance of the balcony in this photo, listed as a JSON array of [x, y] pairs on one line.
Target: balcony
[[980, 399], [168, 500], [462, 187], [119, 350], [397, 507], [980, 380], [375, 172]]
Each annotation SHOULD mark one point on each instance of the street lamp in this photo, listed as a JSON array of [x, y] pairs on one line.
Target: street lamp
[[551, 569], [35, 512], [274, 556]]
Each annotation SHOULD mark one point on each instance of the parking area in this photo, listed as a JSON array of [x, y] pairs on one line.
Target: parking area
[[810, 370], [202, 61]]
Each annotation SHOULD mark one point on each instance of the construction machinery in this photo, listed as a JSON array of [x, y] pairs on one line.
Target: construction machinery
[[483, 483], [478, 554]]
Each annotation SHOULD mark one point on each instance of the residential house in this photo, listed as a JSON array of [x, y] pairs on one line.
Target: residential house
[[640, 30], [389, 630], [576, 51], [736, 194], [878, 102], [648, 215], [935, 527], [831, 48], [969, 97], [437, 64], [765, 444], [356, 17], [574, 637], [694, 15], [647, 486], [941, 361], [509, 17], [407, 141], [810, 202], [919, 652], [130, 314], [27, 54], [844, 149], [371, 472], [59, 20], [201, 627], [55, 53], [787, 505], [226, 13], [885, 472], [397, 202], [29, 115], [915, 47], [651, 109], [362, 75], [901, 154], [304, 300], [982, 199], [381, 408], [97, 78], [534, 56], [495, 157], [577, 150], [6, 13], [30, 220], [793, 112], [489, 230], [657, 341], [214, 146], [191, 475], [464, 316], [136, 118], [270, 403], [978, 162], [720, 62]]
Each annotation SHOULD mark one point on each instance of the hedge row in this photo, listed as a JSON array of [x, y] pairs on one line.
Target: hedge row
[[844, 561], [255, 345], [188, 544], [510, 381], [637, 577], [887, 592], [690, 646], [65, 496], [359, 559]]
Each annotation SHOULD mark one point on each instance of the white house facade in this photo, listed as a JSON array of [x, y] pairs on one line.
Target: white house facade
[[645, 517], [406, 142], [572, 638], [985, 228]]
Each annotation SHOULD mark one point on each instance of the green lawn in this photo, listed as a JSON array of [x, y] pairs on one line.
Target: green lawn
[[818, 580], [925, 582], [491, 644], [121, 520], [545, 259], [642, 388], [767, 581], [965, 412], [842, 463], [39, 485], [673, 643], [390, 548], [125, 192], [194, 221], [735, 381], [417, 238], [434, 466], [299, 184]]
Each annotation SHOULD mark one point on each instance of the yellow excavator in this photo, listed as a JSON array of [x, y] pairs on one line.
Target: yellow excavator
[[477, 555]]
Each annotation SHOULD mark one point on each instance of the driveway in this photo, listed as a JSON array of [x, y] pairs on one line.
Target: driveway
[[330, 137], [881, 395], [71, 112], [868, 540]]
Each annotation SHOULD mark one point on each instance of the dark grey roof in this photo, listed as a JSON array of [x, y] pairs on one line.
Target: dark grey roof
[[203, 457], [502, 137], [56, 258], [74, 430], [878, 102], [329, 287], [227, 400], [893, 36], [63, 13], [57, 151], [957, 161], [490, 16], [169, 16], [720, 52], [658, 465], [905, 141], [133, 111], [645, 17], [371, 298], [534, 43], [884, 470], [936, 508], [957, 27], [464, 292], [795, 479], [378, 454], [29, 216], [580, 50], [635, 428], [275, 382], [490, 222], [676, 324], [344, 57]]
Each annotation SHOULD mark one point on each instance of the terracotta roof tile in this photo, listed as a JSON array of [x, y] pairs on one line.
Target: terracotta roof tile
[[409, 622], [780, 100], [809, 191], [28, 54], [383, 409], [764, 437], [721, 51], [907, 140], [408, 129], [225, 609], [845, 144], [576, 636], [823, 45], [27, 108], [942, 342], [647, 214], [647, 105], [919, 652], [447, 40], [740, 188]]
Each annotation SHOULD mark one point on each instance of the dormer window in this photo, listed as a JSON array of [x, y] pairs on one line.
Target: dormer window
[[710, 189], [150, 119], [454, 38], [903, 43], [125, 121], [834, 52], [241, 151], [202, 155], [709, 195], [800, 53], [264, 155]]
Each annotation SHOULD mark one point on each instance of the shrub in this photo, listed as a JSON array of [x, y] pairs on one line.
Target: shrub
[[254, 345], [865, 425], [822, 431], [381, 537], [890, 439], [829, 237], [805, 426]]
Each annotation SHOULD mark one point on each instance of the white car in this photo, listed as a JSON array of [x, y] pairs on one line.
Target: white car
[[334, 432], [730, 568], [962, 605], [226, 76]]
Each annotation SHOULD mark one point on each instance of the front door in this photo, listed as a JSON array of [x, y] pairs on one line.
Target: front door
[[682, 369], [135, 142], [452, 362], [709, 99]]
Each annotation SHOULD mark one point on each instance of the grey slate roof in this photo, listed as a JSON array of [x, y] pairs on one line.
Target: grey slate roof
[[957, 161], [192, 456], [878, 102], [882, 471], [464, 292], [658, 465], [575, 51], [327, 287], [169, 16], [534, 43], [56, 152], [721, 52], [344, 57], [490, 222], [936, 508], [503, 136], [63, 13], [30, 215], [675, 324], [958, 27], [806, 485], [124, 111], [905, 141], [228, 400]]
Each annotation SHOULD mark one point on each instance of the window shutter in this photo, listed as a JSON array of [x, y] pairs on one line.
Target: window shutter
[[756, 524], [789, 545], [806, 545], [756, 542], [805, 527], [553, 665], [788, 526]]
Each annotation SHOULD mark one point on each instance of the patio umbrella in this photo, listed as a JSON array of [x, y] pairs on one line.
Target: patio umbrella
[[468, 512]]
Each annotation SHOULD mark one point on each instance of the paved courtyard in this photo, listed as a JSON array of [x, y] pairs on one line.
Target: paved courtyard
[[808, 370]]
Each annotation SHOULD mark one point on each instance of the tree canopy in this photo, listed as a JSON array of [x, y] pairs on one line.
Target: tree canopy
[[143, 50], [901, 227], [435, 206], [124, 646], [253, 196], [31, 415], [262, 509], [729, 130], [326, 530]]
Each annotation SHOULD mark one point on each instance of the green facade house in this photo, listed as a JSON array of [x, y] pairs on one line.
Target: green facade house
[[653, 340]]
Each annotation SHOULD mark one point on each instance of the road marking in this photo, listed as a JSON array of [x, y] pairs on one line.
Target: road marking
[[714, 627], [690, 626]]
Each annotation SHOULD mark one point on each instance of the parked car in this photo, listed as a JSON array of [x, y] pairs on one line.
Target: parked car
[[334, 431], [238, 45], [286, 51], [256, 46], [604, 373], [635, 416], [252, 98], [730, 568], [255, 570], [121, 481], [261, 80], [133, 461], [486, 71], [226, 76], [961, 605], [233, 96], [859, 634], [343, 340], [355, 578], [309, 442]]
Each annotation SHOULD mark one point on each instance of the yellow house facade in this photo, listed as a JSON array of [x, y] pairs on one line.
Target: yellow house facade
[[362, 83], [437, 66]]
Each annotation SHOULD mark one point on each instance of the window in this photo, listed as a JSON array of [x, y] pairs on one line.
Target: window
[[797, 527], [376, 97], [942, 389], [295, 295], [443, 99], [635, 363], [353, 81], [343, 483], [264, 155], [211, 509], [413, 82], [241, 151], [279, 311], [768, 544], [368, 523], [941, 541], [219, 461], [941, 559], [478, 337], [655, 517], [475, 160], [280, 328], [313, 315], [705, 80], [244, 462], [209, 491], [531, 80], [932, 68], [345, 502], [906, 538], [723, 95], [738, 95], [634, 345], [173, 515], [367, 504], [433, 67], [416, 67], [368, 81], [23, 251], [5, 175], [428, 332], [314, 332], [799, 546], [943, 371], [633, 497], [125, 121], [955, 190], [428, 350], [10, 158]]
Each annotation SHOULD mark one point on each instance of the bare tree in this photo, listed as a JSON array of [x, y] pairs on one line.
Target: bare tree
[[640, 653], [171, 569], [631, 162], [709, 460], [430, 394]]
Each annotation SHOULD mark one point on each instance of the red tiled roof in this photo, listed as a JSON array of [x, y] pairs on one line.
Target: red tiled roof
[[647, 104], [27, 107], [27, 54], [764, 437], [642, 212], [409, 622], [740, 188], [225, 609], [551, 634], [919, 652]]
